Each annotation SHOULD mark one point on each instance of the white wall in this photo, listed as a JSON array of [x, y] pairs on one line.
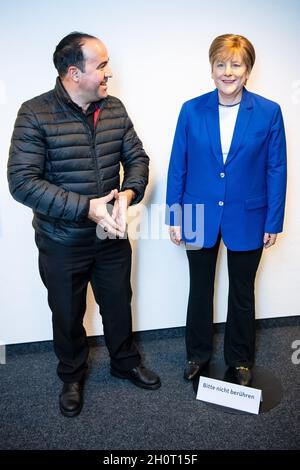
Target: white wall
[[158, 52]]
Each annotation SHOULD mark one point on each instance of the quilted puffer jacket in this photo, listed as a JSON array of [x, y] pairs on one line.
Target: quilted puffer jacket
[[56, 165]]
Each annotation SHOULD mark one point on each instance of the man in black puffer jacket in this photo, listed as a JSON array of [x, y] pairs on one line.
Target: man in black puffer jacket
[[67, 148]]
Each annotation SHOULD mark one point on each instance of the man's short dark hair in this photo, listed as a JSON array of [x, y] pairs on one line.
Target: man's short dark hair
[[68, 52]]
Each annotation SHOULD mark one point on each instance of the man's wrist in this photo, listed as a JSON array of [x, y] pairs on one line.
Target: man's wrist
[[130, 194]]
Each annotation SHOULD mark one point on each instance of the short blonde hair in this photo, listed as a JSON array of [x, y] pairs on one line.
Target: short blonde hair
[[226, 46]]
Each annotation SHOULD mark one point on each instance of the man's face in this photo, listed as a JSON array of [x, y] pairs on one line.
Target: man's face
[[93, 81]]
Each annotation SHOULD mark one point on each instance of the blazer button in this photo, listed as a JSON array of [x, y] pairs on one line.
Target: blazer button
[[222, 175], [221, 203]]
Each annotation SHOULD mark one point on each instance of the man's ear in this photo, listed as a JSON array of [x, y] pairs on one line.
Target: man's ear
[[74, 73]]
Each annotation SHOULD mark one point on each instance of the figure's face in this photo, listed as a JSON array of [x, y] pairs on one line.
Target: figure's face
[[93, 81], [230, 76]]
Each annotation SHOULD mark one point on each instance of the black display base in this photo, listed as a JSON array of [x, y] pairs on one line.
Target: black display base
[[263, 379]]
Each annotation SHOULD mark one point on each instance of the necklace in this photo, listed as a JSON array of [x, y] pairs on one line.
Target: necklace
[[228, 105]]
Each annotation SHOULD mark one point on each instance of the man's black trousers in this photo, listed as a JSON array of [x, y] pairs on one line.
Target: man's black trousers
[[66, 272], [239, 339]]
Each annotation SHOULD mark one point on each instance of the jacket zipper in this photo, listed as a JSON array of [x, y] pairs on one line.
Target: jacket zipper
[[93, 149], [93, 146], [83, 119]]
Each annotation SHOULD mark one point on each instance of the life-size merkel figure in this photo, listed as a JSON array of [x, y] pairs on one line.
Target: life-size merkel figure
[[229, 155]]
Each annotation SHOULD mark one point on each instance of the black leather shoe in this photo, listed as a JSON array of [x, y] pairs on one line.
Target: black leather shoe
[[243, 375], [71, 399], [140, 376], [192, 369]]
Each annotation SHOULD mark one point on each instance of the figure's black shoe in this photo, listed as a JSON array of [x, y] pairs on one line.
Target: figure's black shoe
[[71, 399], [242, 375], [140, 376], [192, 369]]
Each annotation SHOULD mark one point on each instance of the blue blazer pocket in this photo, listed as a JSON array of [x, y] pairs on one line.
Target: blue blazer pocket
[[256, 202]]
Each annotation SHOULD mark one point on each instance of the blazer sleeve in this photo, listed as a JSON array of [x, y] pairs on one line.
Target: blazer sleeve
[[177, 171], [276, 175]]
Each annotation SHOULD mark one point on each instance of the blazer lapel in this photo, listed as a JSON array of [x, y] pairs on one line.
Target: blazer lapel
[[213, 125], [242, 121]]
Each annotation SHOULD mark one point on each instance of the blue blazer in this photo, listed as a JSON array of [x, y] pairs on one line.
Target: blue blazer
[[243, 198]]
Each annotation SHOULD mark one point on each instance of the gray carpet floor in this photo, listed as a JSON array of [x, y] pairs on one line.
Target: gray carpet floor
[[119, 416]]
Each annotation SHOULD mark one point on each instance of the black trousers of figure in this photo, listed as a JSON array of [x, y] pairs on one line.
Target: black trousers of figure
[[239, 339], [66, 272]]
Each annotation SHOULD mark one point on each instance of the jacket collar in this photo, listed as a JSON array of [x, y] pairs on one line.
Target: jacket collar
[[213, 99], [64, 97], [242, 121], [213, 124]]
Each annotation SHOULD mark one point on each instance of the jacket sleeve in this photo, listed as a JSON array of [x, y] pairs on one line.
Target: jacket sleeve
[[276, 175], [25, 172], [177, 171], [135, 162]]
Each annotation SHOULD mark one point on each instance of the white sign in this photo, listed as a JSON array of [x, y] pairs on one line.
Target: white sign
[[230, 395]]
